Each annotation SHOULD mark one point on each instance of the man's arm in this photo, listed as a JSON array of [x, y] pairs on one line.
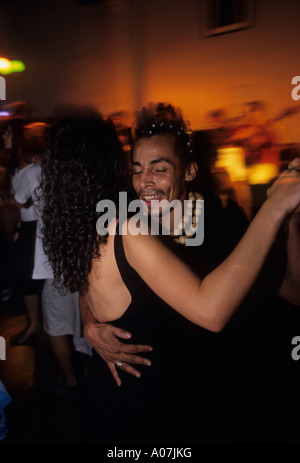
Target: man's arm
[[104, 340]]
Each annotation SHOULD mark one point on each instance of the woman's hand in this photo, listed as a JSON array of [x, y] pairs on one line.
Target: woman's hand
[[284, 194]]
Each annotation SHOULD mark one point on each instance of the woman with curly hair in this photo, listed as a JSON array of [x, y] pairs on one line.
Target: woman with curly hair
[[85, 164], [133, 281]]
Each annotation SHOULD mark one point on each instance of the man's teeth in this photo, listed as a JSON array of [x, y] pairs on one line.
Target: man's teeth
[[148, 198]]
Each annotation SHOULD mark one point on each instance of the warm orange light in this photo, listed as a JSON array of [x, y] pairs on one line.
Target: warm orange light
[[232, 158], [262, 173]]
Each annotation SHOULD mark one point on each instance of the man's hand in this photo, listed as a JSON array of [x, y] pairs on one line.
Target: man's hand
[[104, 338]]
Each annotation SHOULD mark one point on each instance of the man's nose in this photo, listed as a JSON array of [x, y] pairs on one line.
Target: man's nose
[[147, 178]]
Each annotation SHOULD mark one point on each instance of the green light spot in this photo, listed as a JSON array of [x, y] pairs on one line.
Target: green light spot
[[17, 66]]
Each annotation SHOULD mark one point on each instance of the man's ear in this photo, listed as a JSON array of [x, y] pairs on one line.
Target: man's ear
[[191, 172]]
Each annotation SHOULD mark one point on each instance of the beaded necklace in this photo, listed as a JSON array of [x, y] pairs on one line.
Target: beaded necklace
[[187, 228]]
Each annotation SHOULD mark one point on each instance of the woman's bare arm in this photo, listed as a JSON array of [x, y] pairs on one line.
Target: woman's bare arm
[[211, 303], [105, 340]]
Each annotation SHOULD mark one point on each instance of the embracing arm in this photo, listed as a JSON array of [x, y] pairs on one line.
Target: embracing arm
[[103, 337]]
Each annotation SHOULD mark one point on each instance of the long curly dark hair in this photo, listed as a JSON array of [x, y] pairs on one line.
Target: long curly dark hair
[[85, 164]]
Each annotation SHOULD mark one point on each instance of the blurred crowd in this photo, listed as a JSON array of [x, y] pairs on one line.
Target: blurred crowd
[[238, 159]]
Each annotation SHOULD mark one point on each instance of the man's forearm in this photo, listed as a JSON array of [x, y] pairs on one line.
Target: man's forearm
[[86, 314]]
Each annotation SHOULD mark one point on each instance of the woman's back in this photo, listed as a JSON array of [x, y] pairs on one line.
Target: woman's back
[[107, 296]]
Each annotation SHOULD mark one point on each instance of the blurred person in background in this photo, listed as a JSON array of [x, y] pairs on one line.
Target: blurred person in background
[[257, 135], [228, 166], [11, 133], [33, 144]]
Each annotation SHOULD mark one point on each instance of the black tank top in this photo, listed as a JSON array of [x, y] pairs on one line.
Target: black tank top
[[157, 406]]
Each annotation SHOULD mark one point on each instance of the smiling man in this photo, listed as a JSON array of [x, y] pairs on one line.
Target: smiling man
[[161, 180], [157, 173], [163, 169]]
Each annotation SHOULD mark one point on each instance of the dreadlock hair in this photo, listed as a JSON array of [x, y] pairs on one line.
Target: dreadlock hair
[[85, 163], [165, 119]]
